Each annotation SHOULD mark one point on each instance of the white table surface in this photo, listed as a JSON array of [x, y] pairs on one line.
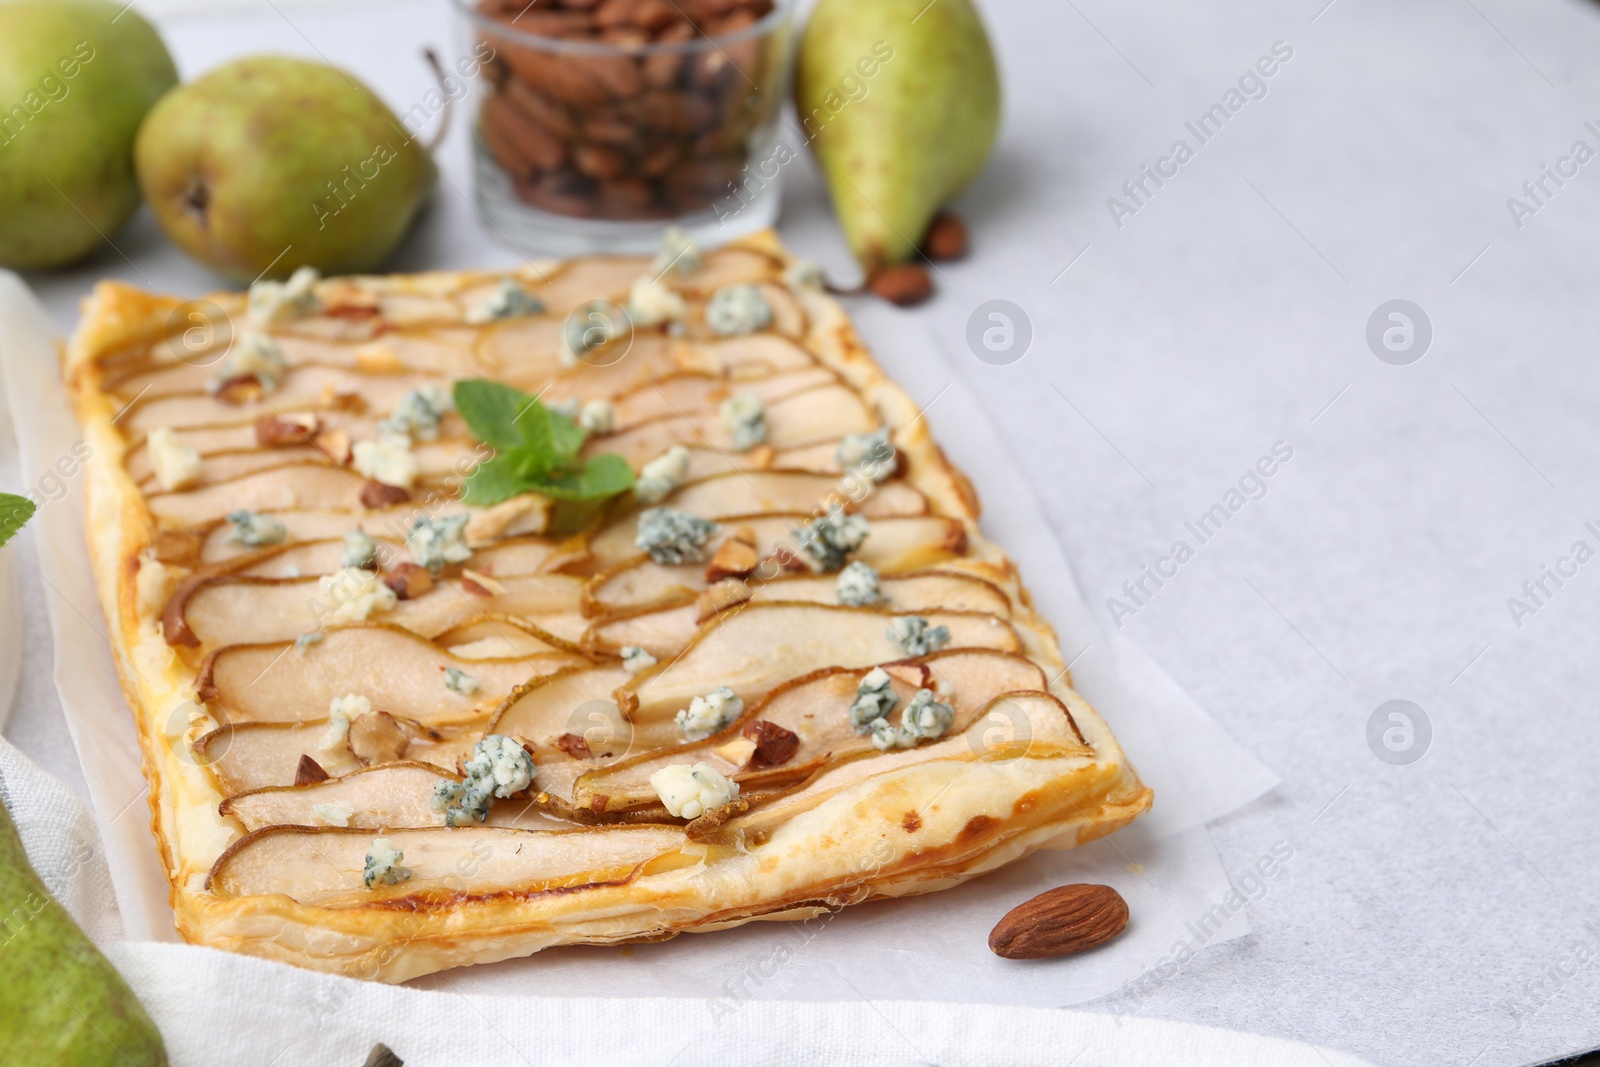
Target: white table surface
[[1434, 913]]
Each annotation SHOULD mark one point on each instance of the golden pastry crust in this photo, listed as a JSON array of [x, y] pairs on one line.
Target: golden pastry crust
[[881, 825]]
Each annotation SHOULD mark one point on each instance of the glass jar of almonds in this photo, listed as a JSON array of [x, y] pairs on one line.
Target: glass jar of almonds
[[600, 121]]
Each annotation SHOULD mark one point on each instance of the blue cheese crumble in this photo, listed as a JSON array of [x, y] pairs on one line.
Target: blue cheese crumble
[[831, 538], [383, 864], [706, 715], [499, 767], [418, 413], [662, 475], [678, 254], [459, 681], [341, 711], [360, 550], [387, 460], [509, 300], [306, 640], [912, 633], [357, 594], [636, 659], [253, 355], [871, 455], [745, 417], [672, 536], [650, 303], [875, 698], [858, 586], [591, 326], [924, 719], [254, 530], [433, 543], [598, 416], [690, 791], [803, 274], [737, 309], [175, 462], [333, 813], [274, 302]]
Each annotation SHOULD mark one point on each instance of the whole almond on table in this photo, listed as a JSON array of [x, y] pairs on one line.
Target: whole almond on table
[[904, 284], [1059, 922], [946, 239]]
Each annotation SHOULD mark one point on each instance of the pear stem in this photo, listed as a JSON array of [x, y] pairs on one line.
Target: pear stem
[[444, 122]]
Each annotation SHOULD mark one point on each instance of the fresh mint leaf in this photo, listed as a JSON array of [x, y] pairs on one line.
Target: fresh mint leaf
[[566, 440], [493, 480], [538, 450], [14, 511], [605, 475], [494, 411]]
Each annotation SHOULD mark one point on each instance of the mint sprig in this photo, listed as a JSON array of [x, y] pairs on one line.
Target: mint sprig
[[536, 450], [14, 511]]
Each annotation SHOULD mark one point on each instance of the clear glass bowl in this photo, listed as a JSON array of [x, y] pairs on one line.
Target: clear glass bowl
[[594, 140]]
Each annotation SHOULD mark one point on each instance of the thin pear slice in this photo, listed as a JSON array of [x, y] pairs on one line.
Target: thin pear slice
[[724, 267], [398, 671], [322, 867], [258, 610], [755, 650], [630, 580], [520, 635], [300, 485], [254, 755], [700, 394], [381, 797], [530, 555], [812, 706], [575, 701], [816, 708], [664, 632], [532, 514], [731, 497], [751, 355], [825, 413], [301, 389], [390, 796], [436, 461], [1022, 725], [241, 437], [756, 492]]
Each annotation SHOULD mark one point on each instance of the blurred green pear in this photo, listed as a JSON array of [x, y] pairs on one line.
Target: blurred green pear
[[76, 78]]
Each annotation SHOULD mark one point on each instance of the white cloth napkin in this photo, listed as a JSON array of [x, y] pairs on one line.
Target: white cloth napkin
[[217, 1008]]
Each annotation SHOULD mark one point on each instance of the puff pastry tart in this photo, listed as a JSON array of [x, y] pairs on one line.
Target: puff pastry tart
[[390, 731]]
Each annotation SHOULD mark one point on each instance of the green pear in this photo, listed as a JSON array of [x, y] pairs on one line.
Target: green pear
[[900, 100], [76, 77], [61, 1001], [270, 163]]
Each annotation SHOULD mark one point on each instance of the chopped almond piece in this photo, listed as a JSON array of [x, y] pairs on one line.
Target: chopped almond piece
[[277, 431], [735, 557], [378, 495], [240, 389], [720, 597], [774, 744], [738, 751], [377, 738], [378, 359], [574, 746], [335, 400], [309, 772], [409, 581], [335, 444], [479, 584]]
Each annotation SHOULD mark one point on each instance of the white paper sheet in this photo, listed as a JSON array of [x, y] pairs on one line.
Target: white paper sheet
[[1164, 865]]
